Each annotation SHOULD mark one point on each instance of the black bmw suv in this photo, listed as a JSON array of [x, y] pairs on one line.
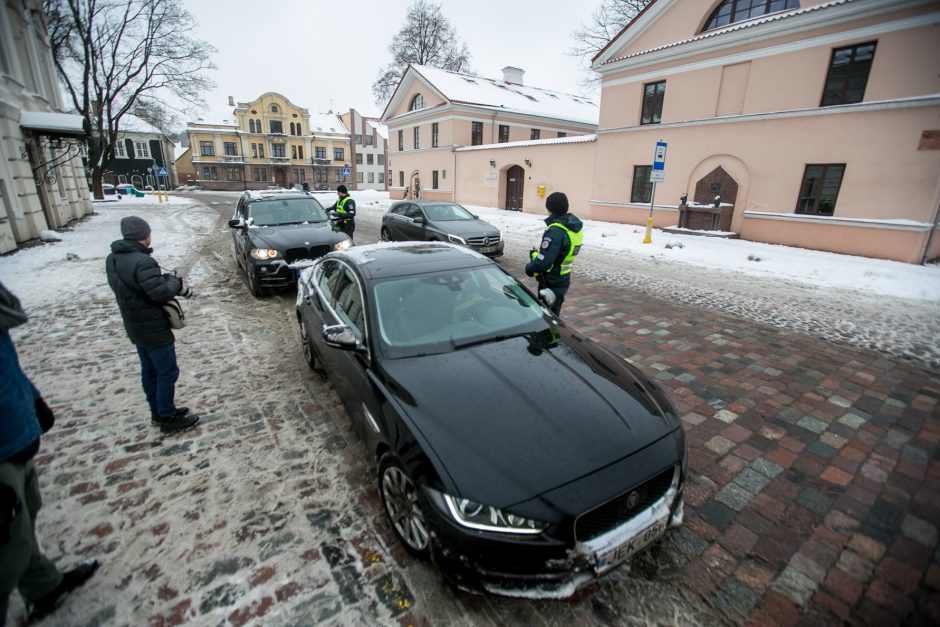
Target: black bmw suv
[[277, 233]]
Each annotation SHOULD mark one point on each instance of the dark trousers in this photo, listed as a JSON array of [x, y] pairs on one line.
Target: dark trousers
[[158, 374], [348, 227], [559, 299], [22, 565]]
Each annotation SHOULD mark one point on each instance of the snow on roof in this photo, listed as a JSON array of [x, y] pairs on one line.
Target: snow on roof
[[496, 94], [380, 128], [70, 123], [327, 123], [132, 124], [773, 17], [577, 139], [178, 150]]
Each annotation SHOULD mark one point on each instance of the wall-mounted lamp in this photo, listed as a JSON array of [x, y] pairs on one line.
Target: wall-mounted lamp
[[528, 162], [493, 162]]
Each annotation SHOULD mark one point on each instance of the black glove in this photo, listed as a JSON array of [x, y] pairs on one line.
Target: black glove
[[44, 414], [9, 508]]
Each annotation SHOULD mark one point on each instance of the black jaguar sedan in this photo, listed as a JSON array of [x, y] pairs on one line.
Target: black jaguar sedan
[[277, 233], [520, 456], [438, 221]]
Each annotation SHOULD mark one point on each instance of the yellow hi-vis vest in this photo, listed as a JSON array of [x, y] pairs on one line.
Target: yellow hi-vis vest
[[341, 205], [574, 239]]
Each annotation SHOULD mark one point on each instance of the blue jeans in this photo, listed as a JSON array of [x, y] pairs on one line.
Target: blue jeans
[[158, 373]]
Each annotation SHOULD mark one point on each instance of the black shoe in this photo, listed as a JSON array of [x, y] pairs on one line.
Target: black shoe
[[70, 580], [180, 412], [176, 423]]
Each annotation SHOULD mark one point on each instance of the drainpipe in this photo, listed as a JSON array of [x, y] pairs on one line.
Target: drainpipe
[[933, 233], [453, 149]]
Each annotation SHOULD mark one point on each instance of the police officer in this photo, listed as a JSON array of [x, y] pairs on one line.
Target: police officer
[[561, 242], [345, 211]]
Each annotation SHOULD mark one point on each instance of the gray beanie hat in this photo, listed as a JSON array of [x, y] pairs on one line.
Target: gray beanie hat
[[134, 228]]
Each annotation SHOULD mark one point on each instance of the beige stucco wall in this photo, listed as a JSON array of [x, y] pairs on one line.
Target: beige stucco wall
[[564, 167]]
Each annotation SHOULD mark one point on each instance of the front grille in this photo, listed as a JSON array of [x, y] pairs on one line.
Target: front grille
[[491, 240], [616, 511], [296, 254]]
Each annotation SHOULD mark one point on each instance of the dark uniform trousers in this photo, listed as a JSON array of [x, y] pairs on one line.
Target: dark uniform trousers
[[22, 564]]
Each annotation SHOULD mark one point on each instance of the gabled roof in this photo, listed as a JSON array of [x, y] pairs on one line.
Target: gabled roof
[[327, 123], [130, 123], [380, 128], [494, 94], [625, 36]]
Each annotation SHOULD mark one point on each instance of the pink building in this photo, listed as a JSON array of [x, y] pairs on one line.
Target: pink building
[[816, 122], [433, 114]]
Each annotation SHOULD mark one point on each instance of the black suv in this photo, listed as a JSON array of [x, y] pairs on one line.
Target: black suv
[[277, 233]]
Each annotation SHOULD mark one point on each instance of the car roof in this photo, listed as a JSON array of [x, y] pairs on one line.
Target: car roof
[[425, 203], [394, 259], [270, 194]]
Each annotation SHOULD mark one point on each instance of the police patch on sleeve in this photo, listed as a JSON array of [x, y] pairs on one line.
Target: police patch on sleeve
[[546, 242]]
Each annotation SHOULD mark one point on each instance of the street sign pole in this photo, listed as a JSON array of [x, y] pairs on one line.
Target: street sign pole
[[657, 175]]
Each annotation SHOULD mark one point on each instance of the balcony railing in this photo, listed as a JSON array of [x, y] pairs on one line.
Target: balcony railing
[[319, 161]]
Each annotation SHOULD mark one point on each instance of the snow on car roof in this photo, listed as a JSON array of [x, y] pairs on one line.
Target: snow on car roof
[[496, 94]]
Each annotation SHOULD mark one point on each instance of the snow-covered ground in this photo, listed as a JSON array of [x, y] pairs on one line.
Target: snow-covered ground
[[90, 241]]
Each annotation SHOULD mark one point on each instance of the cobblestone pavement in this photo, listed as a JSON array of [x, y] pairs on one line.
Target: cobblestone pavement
[[812, 497]]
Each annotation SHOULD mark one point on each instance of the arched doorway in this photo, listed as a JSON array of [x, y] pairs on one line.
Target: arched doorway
[[280, 177], [717, 183], [515, 180]]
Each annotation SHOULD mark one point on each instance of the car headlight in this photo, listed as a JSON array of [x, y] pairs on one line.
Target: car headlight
[[343, 245], [486, 518], [264, 253], [457, 240]]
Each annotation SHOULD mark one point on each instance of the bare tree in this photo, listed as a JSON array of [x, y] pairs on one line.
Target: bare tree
[[427, 38], [606, 22], [120, 56]]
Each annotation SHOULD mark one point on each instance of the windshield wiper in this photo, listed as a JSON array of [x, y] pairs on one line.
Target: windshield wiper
[[492, 338]]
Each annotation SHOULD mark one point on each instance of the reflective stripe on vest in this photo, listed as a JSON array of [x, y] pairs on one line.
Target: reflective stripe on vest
[[341, 205], [574, 239]]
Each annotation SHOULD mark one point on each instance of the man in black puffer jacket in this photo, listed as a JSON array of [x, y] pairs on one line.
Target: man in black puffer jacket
[[141, 290]]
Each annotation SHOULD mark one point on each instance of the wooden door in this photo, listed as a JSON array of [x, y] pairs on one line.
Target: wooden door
[[515, 178], [280, 177]]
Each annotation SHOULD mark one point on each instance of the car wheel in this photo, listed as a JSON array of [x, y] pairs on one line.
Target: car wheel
[[385, 235], [309, 356], [256, 290], [400, 498]]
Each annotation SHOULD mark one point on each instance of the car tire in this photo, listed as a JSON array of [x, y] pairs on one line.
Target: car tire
[[402, 505], [385, 234], [309, 355], [256, 290]]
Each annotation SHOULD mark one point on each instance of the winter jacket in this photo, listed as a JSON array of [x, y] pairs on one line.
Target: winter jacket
[[141, 290], [19, 427], [346, 207], [552, 251]]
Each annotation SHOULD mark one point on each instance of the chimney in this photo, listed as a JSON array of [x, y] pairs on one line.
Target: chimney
[[512, 75], [231, 101]]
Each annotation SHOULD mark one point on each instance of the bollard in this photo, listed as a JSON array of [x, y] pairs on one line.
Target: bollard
[[649, 231]]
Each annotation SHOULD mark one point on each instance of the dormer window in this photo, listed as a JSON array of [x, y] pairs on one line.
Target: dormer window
[[733, 11], [416, 103]]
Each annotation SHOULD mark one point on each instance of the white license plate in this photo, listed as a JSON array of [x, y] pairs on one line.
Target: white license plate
[[632, 546], [488, 249]]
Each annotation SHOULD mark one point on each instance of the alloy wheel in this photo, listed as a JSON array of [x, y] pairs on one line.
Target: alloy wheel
[[385, 235], [401, 502], [309, 356]]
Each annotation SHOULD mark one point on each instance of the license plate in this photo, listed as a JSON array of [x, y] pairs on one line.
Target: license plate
[[632, 546], [297, 272], [488, 249]]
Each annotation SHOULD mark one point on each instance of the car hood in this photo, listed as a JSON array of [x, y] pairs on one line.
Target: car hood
[[510, 422], [294, 235], [467, 228]]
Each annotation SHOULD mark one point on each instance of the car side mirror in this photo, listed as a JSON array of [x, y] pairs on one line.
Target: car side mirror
[[420, 220], [342, 337], [237, 223], [548, 297]]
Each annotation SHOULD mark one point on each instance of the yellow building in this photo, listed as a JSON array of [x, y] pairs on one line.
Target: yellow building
[[273, 143]]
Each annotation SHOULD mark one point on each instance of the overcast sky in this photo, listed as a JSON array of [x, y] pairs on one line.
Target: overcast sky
[[315, 51]]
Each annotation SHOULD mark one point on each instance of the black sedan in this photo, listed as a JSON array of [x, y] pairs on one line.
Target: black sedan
[[435, 221], [275, 234], [524, 458]]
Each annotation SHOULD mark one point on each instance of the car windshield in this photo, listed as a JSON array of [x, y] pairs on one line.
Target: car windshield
[[447, 213], [280, 211], [446, 311]]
